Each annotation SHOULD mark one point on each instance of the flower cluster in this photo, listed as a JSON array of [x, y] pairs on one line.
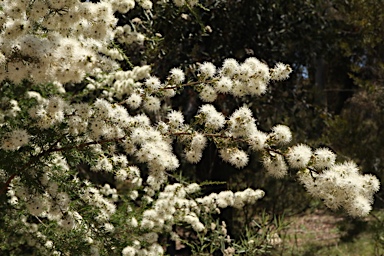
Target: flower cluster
[[50, 41], [341, 185]]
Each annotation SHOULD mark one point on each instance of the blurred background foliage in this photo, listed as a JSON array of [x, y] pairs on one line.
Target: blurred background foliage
[[334, 97]]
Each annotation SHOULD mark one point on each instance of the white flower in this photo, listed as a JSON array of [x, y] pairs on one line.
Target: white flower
[[121, 175], [15, 139], [36, 205], [129, 251], [256, 87], [359, 206], [241, 123], [153, 83], [213, 119], [207, 69], [83, 110], [198, 226], [109, 227], [177, 75], [239, 159], [192, 188], [280, 72], [225, 199], [224, 85], [230, 67], [234, 156], [281, 134], [175, 118], [298, 156], [193, 156], [257, 140], [147, 224], [323, 158], [103, 109], [146, 4], [169, 93], [275, 165], [244, 72], [261, 70], [49, 244], [150, 237], [68, 222], [133, 222], [239, 88], [371, 183], [152, 103], [134, 101], [198, 141], [208, 94], [150, 214]]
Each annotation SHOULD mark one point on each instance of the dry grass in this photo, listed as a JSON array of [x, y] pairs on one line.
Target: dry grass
[[312, 230]]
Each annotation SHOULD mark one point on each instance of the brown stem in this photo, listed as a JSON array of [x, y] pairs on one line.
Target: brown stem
[[5, 187], [189, 84]]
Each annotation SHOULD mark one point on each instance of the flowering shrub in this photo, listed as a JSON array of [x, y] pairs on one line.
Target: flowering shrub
[[89, 169]]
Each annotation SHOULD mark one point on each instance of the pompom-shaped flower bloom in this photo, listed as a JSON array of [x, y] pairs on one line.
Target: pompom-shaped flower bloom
[[224, 85], [262, 71], [208, 94], [177, 75], [103, 109], [152, 104], [169, 93], [124, 6], [121, 175], [83, 110], [55, 104], [212, 118], [234, 156], [152, 83], [298, 156], [257, 140], [239, 88], [256, 87], [275, 165], [193, 156], [198, 141], [15, 139], [36, 205], [359, 206], [245, 72], [129, 251], [281, 134], [68, 222], [230, 67], [134, 101], [241, 123], [192, 188], [324, 158], [175, 118], [207, 69], [372, 184], [281, 72], [225, 199]]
